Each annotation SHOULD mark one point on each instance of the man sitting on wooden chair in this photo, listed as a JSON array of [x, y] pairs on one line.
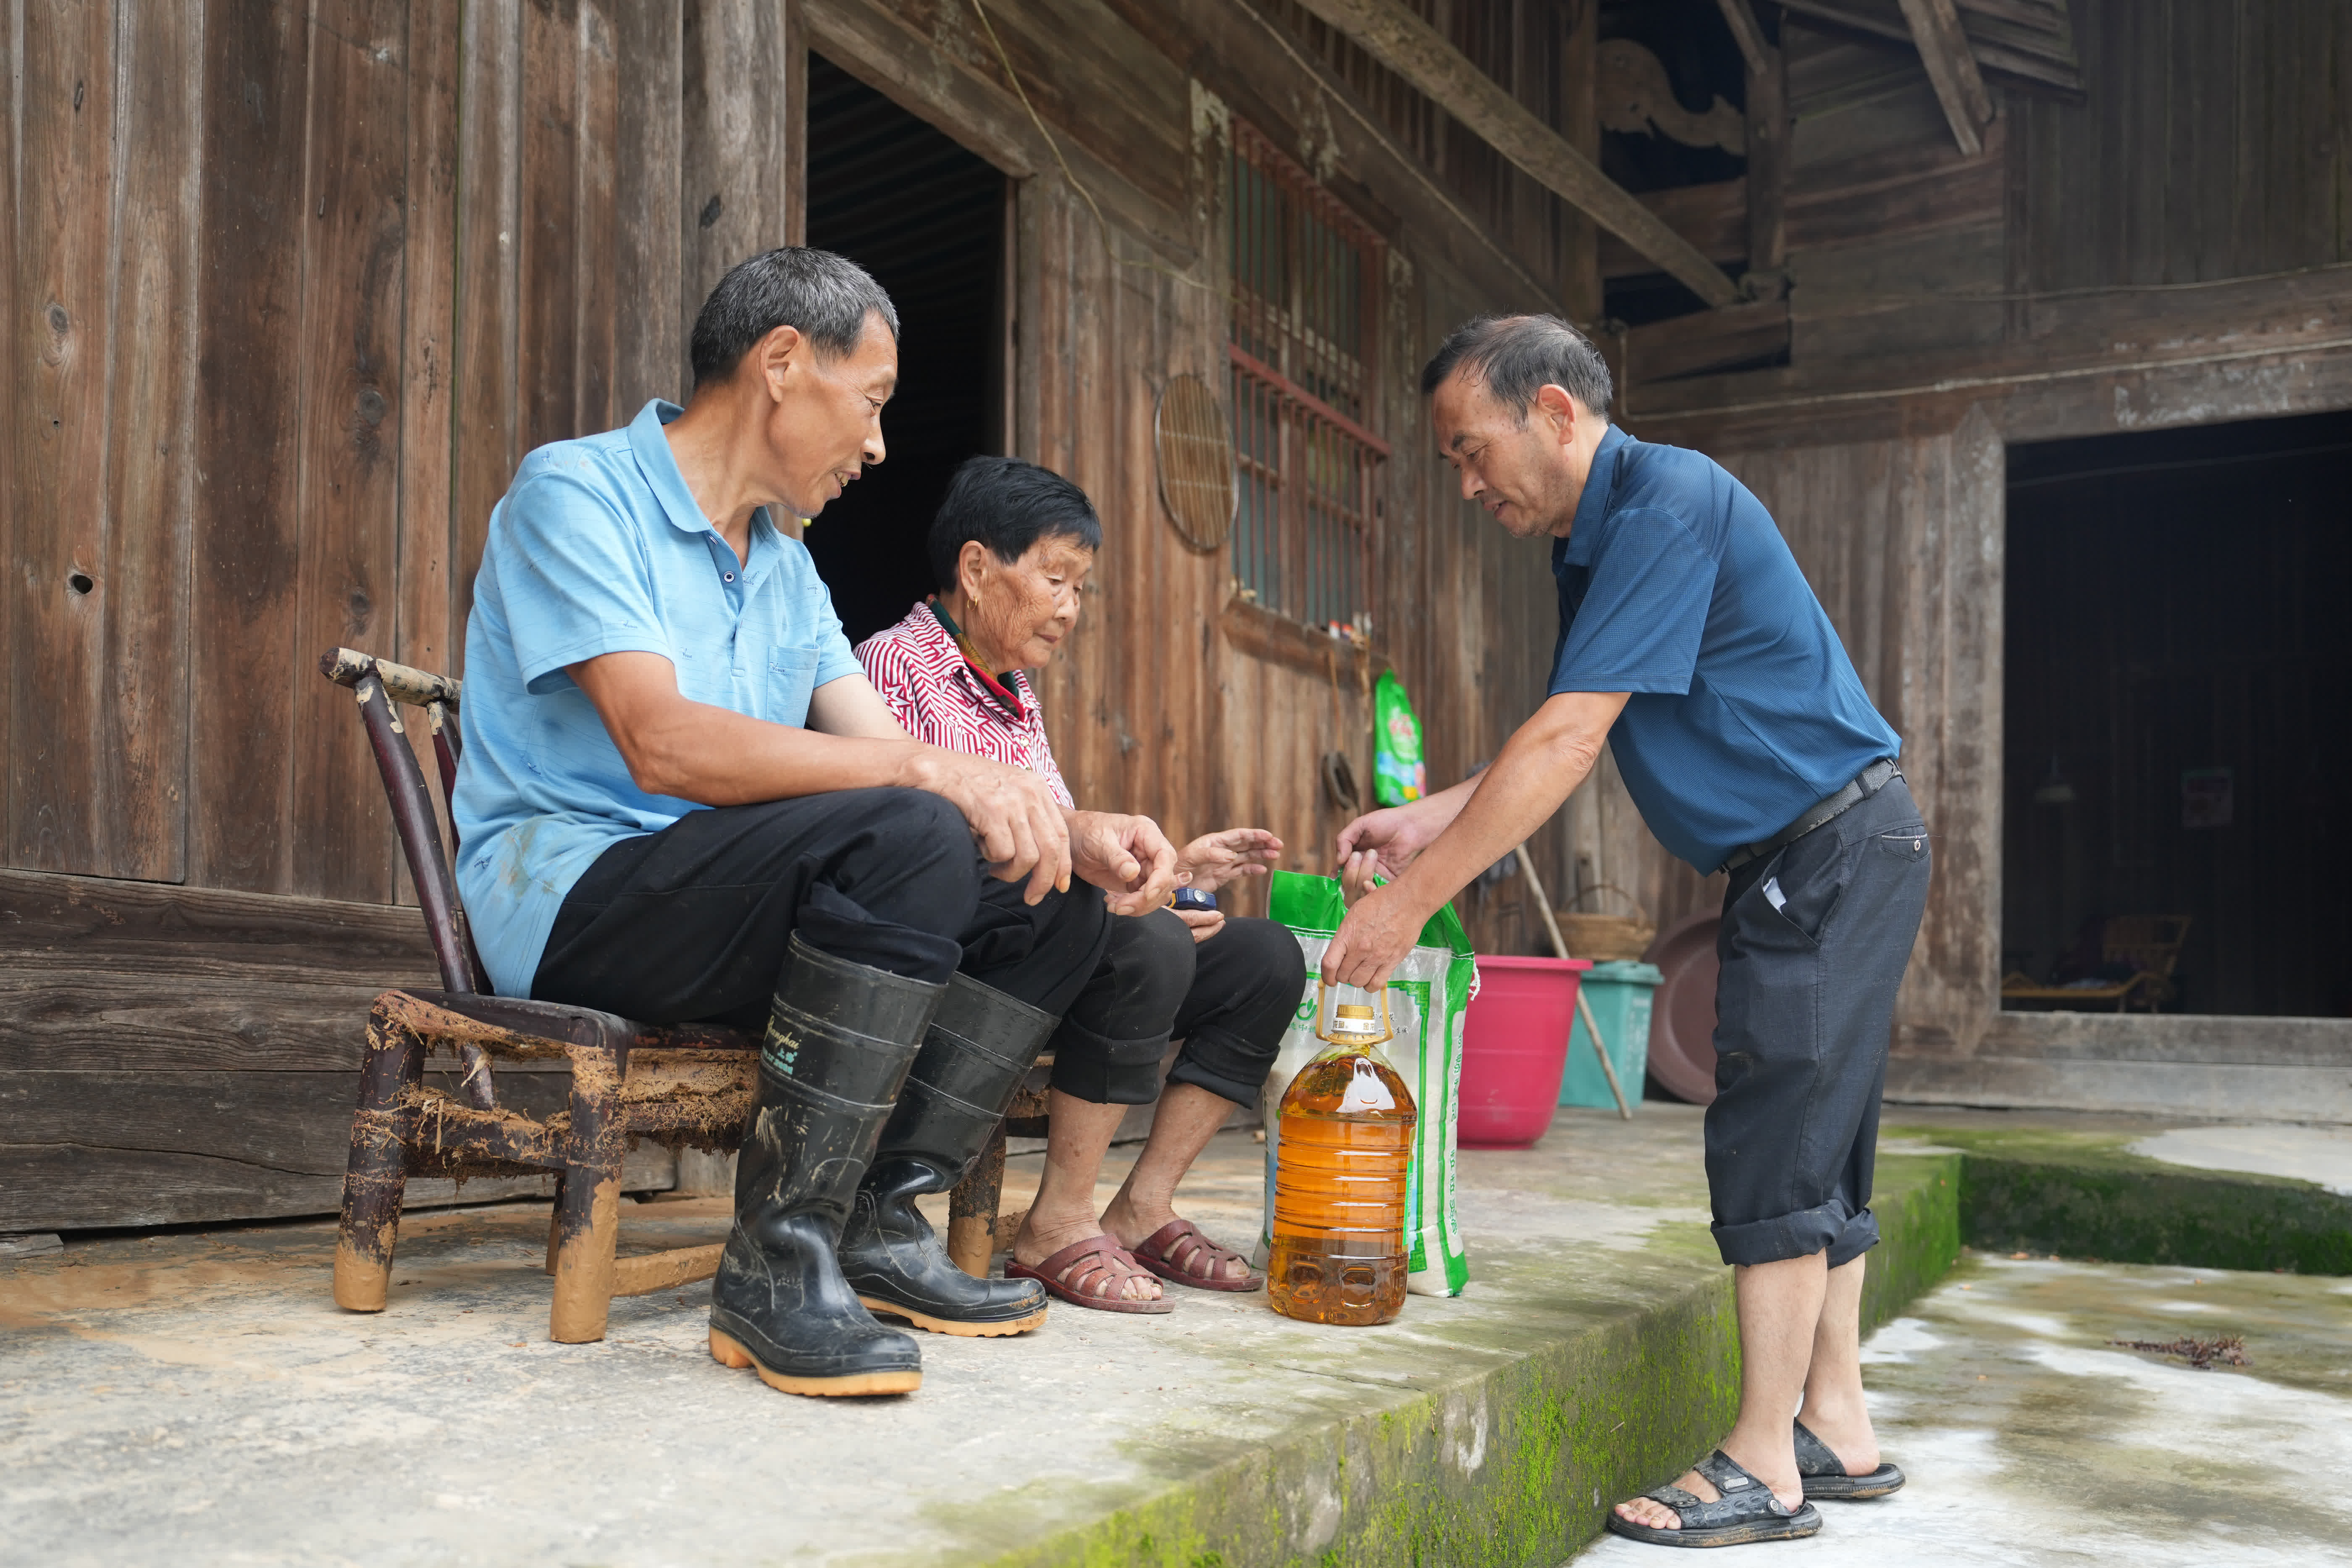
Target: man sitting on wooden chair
[[681, 800]]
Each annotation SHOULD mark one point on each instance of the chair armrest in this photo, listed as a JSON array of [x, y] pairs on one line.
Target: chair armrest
[[512, 1026]]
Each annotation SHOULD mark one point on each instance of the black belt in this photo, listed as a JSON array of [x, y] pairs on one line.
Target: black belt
[[1868, 783]]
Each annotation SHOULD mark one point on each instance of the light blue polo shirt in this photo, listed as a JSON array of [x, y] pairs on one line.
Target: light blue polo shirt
[[599, 548], [1676, 586]]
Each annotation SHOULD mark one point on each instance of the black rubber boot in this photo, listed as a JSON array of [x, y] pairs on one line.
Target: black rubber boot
[[979, 1047], [839, 1043]]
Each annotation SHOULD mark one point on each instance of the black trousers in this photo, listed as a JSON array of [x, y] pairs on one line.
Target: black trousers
[[1228, 998], [693, 923], [1814, 942]]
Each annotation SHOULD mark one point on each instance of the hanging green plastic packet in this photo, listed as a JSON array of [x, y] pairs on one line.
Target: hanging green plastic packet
[[1427, 995], [1399, 776]]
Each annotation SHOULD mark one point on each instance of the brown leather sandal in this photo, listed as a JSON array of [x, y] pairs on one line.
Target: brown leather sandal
[[1086, 1273], [1177, 1252]]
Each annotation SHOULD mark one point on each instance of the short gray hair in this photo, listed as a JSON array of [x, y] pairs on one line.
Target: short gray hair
[[1517, 356], [827, 297]]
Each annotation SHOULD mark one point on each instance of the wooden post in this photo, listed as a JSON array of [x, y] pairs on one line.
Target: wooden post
[[1768, 174]]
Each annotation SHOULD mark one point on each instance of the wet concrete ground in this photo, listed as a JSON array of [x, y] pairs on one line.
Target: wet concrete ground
[[2030, 1441]]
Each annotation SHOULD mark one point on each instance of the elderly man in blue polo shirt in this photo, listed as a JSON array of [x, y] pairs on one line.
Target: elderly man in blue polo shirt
[[1691, 645], [681, 800]]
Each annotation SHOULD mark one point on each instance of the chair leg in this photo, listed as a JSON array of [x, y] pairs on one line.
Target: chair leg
[[588, 1214], [971, 1210], [377, 1175], [555, 1222]]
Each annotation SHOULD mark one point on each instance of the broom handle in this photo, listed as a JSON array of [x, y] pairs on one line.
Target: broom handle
[[1559, 946]]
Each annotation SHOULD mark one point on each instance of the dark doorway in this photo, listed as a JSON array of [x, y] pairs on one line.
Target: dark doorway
[[2179, 681], [926, 219]]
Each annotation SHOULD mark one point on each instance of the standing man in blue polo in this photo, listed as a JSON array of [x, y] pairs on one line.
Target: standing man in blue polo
[[1691, 645]]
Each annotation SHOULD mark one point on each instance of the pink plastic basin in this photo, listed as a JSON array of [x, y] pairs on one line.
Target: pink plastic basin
[[1514, 1047]]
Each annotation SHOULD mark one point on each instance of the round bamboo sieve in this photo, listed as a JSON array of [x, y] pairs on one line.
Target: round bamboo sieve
[[1195, 449]]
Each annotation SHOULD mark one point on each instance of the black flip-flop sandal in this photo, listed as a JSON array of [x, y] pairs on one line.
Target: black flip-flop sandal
[[1745, 1513], [1826, 1478]]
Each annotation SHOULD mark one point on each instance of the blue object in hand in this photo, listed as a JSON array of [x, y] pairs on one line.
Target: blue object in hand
[[1193, 898]]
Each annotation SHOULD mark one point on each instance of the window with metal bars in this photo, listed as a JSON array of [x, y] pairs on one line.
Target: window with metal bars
[[1305, 272]]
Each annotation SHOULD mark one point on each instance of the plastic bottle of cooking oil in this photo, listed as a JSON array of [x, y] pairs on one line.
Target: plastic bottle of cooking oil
[[1339, 1178]]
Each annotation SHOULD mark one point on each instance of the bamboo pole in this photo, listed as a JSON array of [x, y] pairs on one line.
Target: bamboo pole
[[1559, 946]]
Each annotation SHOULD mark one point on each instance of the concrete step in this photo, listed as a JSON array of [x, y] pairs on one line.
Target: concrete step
[[241, 1416]]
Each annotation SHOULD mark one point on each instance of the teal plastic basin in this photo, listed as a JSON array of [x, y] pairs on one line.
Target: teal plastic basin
[[1620, 993]]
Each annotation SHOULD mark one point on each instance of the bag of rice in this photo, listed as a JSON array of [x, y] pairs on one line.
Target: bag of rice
[[1427, 998]]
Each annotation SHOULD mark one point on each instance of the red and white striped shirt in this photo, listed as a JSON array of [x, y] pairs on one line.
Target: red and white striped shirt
[[937, 698]]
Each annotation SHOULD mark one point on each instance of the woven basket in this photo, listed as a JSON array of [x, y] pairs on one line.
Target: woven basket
[[1607, 937]]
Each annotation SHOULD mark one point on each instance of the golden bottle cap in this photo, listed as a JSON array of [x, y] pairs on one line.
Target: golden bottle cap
[[1354, 1010]]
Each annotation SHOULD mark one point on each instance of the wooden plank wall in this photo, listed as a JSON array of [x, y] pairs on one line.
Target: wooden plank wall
[[293, 288], [102, 275], [286, 362], [2214, 145], [1918, 601]]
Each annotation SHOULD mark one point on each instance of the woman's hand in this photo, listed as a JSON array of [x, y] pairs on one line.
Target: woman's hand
[[1127, 857], [1205, 923], [1213, 859]]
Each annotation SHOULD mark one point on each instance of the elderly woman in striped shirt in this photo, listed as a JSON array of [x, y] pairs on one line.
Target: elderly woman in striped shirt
[[1011, 550]]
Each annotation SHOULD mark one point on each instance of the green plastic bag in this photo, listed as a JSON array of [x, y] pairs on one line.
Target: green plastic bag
[[1398, 775], [1428, 995]]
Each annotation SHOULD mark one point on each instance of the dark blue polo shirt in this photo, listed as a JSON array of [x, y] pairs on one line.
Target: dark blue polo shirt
[[1676, 586]]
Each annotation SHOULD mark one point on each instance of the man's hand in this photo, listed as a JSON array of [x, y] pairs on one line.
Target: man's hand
[[1213, 859], [1484, 818], [1019, 827], [1380, 930], [715, 756], [1395, 835], [1127, 857]]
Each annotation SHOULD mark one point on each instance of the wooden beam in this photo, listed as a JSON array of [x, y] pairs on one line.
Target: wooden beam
[[1745, 33], [1768, 129], [1951, 69], [1705, 340], [1416, 51]]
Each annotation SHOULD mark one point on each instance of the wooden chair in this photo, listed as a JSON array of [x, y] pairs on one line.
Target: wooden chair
[[682, 1085], [2150, 945]]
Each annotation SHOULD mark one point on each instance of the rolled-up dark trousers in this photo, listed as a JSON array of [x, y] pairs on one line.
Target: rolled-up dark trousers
[[1228, 998], [693, 923], [1814, 943]]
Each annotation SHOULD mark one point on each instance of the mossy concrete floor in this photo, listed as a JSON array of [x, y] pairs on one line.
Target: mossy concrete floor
[[2032, 1441], [194, 1397]]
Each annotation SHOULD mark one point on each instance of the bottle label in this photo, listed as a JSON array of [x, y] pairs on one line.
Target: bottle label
[[1366, 1093]]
